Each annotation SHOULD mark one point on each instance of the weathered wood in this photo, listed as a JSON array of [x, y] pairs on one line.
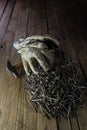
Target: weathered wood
[[63, 22], [10, 33], [41, 19], [26, 116], [9, 87], [5, 19], [9, 91], [63, 124], [31, 25], [18, 19], [51, 20], [83, 118], [20, 30], [41, 26], [3, 4]]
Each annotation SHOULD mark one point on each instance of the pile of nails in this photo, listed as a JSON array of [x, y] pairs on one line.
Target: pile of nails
[[59, 92]]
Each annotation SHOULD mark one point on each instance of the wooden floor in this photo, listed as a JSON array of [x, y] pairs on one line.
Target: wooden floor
[[67, 21]]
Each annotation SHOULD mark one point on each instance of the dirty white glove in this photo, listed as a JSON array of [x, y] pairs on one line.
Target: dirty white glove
[[34, 48]]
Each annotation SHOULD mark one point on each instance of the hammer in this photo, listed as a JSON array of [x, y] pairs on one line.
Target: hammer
[[13, 68]]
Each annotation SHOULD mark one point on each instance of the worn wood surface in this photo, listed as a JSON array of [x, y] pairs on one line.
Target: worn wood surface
[[67, 21]]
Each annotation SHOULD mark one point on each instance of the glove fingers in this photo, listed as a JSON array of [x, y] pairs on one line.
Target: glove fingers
[[31, 64], [26, 67], [49, 55], [42, 61]]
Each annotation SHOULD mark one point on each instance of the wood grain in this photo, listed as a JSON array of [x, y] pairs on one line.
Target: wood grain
[[5, 19], [19, 19]]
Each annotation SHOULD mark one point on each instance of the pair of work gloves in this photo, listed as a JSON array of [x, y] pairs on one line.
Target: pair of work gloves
[[36, 48]]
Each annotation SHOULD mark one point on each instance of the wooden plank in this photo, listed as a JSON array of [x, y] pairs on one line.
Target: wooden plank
[[41, 21], [74, 32], [26, 117], [42, 122], [5, 19], [9, 88], [83, 118], [3, 4], [80, 39], [56, 18], [67, 20], [63, 21], [31, 26], [79, 44], [79, 8], [53, 29], [10, 91], [10, 33], [20, 31], [63, 124]]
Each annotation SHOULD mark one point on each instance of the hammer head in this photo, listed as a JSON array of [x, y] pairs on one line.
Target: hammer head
[[12, 69]]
